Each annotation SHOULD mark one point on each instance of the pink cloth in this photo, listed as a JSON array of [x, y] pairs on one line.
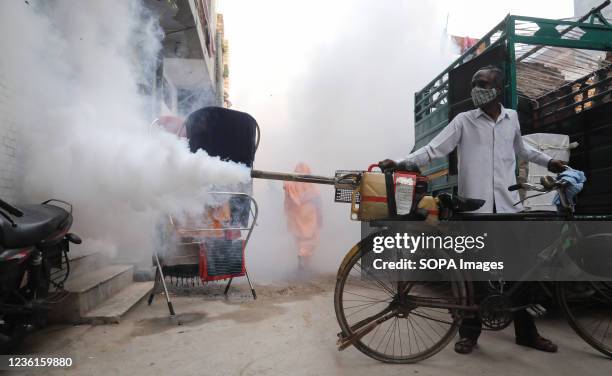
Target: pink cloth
[[173, 124]]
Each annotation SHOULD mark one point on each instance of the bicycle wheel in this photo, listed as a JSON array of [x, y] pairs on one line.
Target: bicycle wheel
[[588, 309], [397, 330]]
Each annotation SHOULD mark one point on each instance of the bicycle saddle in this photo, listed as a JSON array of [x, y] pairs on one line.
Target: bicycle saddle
[[459, 204]]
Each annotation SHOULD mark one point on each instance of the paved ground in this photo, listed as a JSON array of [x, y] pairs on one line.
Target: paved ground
[[290, 330]]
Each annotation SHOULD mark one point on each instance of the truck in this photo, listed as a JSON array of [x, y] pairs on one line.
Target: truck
[[558, 77]]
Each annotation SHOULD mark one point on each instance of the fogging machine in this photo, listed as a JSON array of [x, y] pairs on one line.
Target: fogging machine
[[374, 194]]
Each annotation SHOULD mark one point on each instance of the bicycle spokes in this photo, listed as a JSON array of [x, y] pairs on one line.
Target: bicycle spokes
[[390, 321], [588, 308]]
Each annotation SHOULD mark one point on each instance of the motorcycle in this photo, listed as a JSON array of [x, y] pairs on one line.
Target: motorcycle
[[34, 245]]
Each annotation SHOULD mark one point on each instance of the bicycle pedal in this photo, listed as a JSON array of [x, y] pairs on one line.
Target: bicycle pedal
[[537, 310], [532, 312], [541, 309]]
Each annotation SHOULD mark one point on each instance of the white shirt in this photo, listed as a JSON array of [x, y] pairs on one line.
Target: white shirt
[[487, 156]]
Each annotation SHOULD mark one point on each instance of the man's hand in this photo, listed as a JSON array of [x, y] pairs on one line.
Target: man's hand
[[387, 164], [556, 166]]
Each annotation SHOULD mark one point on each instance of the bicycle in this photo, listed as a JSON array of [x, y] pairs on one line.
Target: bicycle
[[372, 312]]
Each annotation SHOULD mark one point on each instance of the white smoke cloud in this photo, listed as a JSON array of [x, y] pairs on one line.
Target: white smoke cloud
[[75, 67], [333, 85], [338, 97]]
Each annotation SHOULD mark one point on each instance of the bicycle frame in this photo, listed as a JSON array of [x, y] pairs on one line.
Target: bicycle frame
[[548, 255], [570, 236]]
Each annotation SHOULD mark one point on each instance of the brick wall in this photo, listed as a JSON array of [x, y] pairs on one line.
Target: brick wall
[[9, 181]]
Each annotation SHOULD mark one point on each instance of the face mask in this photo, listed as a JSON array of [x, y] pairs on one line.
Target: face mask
[[482, 96]]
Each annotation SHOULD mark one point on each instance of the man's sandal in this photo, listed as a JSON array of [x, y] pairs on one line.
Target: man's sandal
[[538, 343], [465, 345]]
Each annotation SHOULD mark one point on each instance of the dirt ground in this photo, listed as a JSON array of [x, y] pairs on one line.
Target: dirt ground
[[289, 330]]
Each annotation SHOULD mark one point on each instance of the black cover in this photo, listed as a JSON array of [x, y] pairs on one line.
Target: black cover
[[221, 132]]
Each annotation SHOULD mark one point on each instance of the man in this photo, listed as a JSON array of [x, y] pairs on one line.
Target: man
[[304, 218], [487, 140]]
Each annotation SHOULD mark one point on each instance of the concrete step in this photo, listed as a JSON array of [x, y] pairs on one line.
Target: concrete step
[[111, 310], [85, 261], [88, 290]]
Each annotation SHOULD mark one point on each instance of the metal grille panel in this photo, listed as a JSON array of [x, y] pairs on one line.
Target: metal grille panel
[[345, 195], [224, 257]]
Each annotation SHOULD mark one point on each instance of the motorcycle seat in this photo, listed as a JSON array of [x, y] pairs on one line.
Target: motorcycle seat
[[37, 224]]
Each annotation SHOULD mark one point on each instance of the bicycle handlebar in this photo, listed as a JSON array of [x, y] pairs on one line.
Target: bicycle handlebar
[[402, 166], [547, 185]]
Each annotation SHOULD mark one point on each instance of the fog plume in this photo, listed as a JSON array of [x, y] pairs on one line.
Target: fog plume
[[76, 69], [333, 85]]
